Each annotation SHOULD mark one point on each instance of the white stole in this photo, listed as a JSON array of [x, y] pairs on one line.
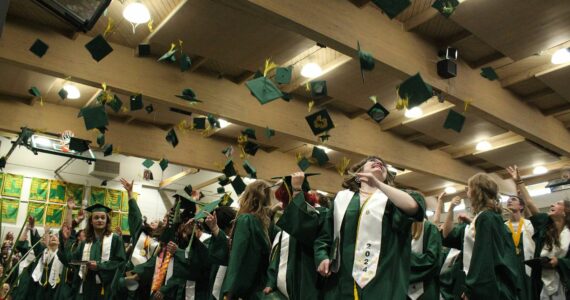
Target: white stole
[[416, 290], [56, 268], [86, 256], [449, 260], [283, 241], [140, 254], [468, 244], [220, 276], [190, 288], [550, 277]]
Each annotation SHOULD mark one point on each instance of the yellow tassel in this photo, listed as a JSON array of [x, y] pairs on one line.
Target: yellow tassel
[[110, 26], [311, 104], [149, 24], [466, 105], [269, 65], [374, 99], [343, 165]]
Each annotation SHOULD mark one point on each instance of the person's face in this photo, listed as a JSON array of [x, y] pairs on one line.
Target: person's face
[[53, 240], [10, 236], [5, 288], [81, 236], [154, 224], [99, 220], [557, 209], [165, 219], [376, 167], [514, 204]]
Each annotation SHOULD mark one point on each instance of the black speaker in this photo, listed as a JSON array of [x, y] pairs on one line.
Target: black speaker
[[446, 68], [143, 50]]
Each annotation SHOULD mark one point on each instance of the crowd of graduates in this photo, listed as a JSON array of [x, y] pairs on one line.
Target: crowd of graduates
[[372, 241]]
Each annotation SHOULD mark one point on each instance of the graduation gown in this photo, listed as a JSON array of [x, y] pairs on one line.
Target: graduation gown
[[106, 269], [246, 274], [525, 238], [301, 222], [68, 286], [494, 267], [425, 266], [21, 286], [393, 271], [451, 277]]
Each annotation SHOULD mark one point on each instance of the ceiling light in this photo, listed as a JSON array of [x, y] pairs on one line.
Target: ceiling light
[[224, 123], [450, 190], [415, 112], [42, 141], [539, 170], [327, 150], [72, 91], [561, 56], [483, 146], [429, 213], [311, 70], [136, 13]]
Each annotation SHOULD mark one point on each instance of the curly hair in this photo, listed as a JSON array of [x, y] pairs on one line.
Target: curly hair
[[90, 231], [256, 200], [552, 237], [484, 193], [351, 183]]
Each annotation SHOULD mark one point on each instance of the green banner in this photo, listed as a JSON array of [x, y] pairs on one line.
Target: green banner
[[54, 215], [1, 180], [39, 189], [115, 220], [9, 210], [114, 199], [57, 191], [125, 224], [12, 185], [125, 204], [97, 195], [37, 210], [76, 192]]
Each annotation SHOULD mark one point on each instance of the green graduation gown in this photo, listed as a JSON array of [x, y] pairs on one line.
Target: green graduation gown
[[302, 223], [21, 286], [392, 275], [248, 260], [38, 291], [452, 279], [425, 266], [68, 286]]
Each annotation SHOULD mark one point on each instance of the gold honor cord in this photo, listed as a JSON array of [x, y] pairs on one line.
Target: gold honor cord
[[516, 235]]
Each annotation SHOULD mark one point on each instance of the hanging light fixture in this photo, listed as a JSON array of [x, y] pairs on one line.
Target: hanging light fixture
[[72, 91], [311, 70], [483, 146], [136, 13]]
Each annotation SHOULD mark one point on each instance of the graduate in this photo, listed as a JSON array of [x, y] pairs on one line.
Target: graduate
[[248, 260], [489, 259], [425, 261], [99, 256], [365, 243], [552, 239], [48, 270], [291, 273]]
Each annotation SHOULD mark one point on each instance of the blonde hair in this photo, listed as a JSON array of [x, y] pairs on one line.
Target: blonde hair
[[484, 193], [256, 200]]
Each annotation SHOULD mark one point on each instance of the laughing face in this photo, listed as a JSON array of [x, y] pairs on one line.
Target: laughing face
[[557, 209], [376, 167]]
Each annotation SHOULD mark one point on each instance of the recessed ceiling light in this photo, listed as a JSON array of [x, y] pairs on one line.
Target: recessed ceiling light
[[136, 13], [539, 170], [224, 123], [311, 70], [561, 56], [483, 146], [415, 112], [450, 190], [72, 91]]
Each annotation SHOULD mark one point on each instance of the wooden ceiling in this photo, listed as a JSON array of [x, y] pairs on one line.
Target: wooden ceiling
[[232, 44]]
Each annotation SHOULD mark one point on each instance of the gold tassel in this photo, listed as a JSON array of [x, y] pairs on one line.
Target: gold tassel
[[269, 65], [149, 24], [109, 28], [311, 104], [343, 165], [466, 105]]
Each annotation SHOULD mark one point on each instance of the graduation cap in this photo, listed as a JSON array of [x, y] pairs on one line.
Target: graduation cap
[[454, 121], [287, 180], [34, 91], [229, 169], [62, 94], [226, 200], [97, 207], [320, 122], [249, 132], [303, 164], [220, 190], [366, 59], [283, 75], [263, 89], [208, 208], [149, 109], [188, 95], [223, 180], [185, 63], [39, 48], [147, 163], [94, 117], [249, 169], [107, 149], [415, 90], [143, 50], [169, 56], [445, 7], [318, 88], [104, 183], [115, 104], [392, 8], [136, 102], [163, 163], [320, 156], [489, 73], [172, 138], [238, 185], [101, 139], [78, 145], [188, 189], [269, 133], [250, 148], [199, 123], [99, 48], [214, 122], [378, 112]]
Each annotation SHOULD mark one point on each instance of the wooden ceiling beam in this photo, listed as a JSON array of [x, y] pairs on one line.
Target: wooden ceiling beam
[[535, 96], [429, 109], [408, 53], [420, 19], [498, 141], [329, 67], [557, 110], [486, 60], [197, 62], [172, 179]]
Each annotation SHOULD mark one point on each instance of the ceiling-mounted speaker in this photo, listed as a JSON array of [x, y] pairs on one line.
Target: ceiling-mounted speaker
[[82, 14]]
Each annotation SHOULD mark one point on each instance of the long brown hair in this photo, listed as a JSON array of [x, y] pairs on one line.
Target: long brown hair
[[256, 200], [552, 237], [484, 193], [351, 183], [90, 231]]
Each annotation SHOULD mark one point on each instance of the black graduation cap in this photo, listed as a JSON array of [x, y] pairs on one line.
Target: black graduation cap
[[229, 169], [223, 180], [445, 7], [98, 47], [415, 90], [185, 203], [249, 169], [320, 156], [94, 117], [39, 48], [199, 123], [238, 185], [143, 50], [318, 88], [220, 190], [305, 186], [62, 94], [188, 95], [188, 189], [115, 104], [136, 102], [392, 8], [100, 139], [172, 138], [378, 112], [287, 96], [104, 183], [250, 148], [249, 132], [149, 108], [107, 149], [320, 122], [97, 207], [78, 145], [454, 121], [185, 63]]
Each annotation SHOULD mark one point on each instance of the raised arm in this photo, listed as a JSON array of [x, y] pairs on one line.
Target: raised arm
[[135, 215], [448, 224], [439, 207], [515, 175]]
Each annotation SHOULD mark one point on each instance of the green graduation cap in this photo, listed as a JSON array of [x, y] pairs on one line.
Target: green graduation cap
[[229, 169], [115, 104], [283, 75], [97, 207], [188, 95], [287, 96], [199, 123], [223, 180], [101, 139], [136, 102], [220, 190], [185, 63], [34, 91], [305, 186], [445, 7], [303, 164], [172, 138], [62, 94], [263, 89], [269, 133], [214, 122], [378, 112], [107, 149], [208, 208], [249, 169], [320, 156], [392, 8], [238, 185], [454, 121], [489, 73], [163, 163], [94, 117], [39, 48], [99, 48], [320, 122], [366, 59], [147, 163], [169, 56], [188, 189], [250, 148], [249, 132], [149, 108], [318, 88], [415, 90]]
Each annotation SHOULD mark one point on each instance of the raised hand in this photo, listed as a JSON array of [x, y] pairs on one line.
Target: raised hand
[[212, 223], [128, 186], [454, 202], [297, 179], [514, 172]]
